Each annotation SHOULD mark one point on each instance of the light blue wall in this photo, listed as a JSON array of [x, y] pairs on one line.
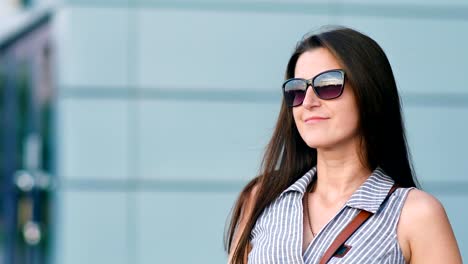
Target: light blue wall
[[165, 108]]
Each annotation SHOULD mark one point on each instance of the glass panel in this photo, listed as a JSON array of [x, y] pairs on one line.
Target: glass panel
[[171, 222], [93, 228]]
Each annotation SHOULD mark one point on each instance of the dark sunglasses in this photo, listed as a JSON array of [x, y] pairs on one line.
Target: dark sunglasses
[[326, 85]]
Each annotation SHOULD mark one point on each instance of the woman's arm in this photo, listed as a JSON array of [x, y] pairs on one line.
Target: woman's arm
[[424, 231]]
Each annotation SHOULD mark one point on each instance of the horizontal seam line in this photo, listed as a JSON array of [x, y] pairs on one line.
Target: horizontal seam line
[[150, 185]]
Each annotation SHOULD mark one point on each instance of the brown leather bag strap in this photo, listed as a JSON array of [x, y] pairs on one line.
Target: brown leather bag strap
[[349, 230]]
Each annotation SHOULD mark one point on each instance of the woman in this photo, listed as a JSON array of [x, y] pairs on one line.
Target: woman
[[336, 153]]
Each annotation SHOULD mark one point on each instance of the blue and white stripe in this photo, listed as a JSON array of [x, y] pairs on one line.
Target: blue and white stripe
[[277, 234]]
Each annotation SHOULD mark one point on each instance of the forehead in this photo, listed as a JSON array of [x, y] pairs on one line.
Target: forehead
[[313, 62]]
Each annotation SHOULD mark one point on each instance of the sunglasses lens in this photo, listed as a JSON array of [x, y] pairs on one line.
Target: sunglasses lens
[[329, 85], [294, 91]]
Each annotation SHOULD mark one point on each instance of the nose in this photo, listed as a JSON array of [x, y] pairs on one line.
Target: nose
[[311, 99]]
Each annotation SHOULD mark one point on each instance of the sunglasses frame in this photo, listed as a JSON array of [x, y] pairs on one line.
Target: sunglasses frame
[[310, 82]]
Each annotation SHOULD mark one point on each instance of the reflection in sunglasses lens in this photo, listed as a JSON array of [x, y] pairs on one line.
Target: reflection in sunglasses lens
[[295, 92], [328, 85], [329, 91]]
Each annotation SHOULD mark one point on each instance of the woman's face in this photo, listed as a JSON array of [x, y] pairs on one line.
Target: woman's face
[[336, 122]]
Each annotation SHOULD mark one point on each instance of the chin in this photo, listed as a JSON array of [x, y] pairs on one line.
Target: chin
[[317, 144]]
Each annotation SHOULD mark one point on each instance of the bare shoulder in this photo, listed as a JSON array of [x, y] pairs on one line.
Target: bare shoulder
[[420, 206], [421, 210], [423, 220]]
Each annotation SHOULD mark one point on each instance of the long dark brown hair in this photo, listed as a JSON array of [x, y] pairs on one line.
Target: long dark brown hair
[[287, 157]]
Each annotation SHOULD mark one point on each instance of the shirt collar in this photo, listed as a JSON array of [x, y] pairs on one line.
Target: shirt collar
[[301, 184], [369, 196]]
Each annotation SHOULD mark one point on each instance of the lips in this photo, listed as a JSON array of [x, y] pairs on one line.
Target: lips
[[314, 119]]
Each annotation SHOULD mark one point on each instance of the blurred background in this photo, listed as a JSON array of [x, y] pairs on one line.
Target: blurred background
[[128, 127]]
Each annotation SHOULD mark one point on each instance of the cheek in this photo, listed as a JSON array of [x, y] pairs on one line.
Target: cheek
[[346, 123]]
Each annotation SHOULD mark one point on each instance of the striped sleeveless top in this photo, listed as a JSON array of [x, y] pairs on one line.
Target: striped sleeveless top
[[277, 234]]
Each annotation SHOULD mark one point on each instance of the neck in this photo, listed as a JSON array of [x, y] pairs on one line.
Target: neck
[[339, 174]]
